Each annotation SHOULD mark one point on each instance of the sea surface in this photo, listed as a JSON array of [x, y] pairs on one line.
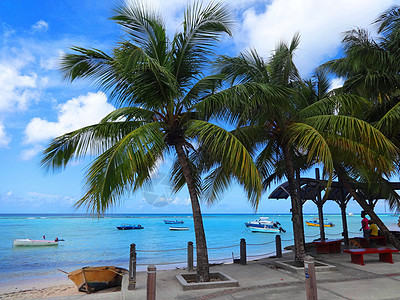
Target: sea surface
[[96, 241]]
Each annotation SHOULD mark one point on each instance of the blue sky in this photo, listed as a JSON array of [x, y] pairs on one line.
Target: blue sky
[[36, 105]]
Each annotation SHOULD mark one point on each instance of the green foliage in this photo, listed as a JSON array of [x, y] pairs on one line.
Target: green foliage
[[164, 102]]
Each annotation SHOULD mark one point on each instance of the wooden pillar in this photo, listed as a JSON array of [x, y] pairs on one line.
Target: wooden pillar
[[243, 258], [301, 203], [190, 256], [344, 222], [310, 278], [132, 268], [151, 282], [319, 205], [278, 243]]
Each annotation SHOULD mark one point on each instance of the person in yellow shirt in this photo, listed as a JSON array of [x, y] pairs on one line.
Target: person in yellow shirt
[[373, 228]]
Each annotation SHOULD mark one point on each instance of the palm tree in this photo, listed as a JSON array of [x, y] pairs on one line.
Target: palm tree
[[159, 87], [299, 131], [371, 70]]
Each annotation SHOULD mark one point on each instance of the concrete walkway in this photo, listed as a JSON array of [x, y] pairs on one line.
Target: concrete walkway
[[263, 280]]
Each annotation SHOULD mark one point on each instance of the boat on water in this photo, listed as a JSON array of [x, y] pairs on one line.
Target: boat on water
[[315, 222], [263, 221], [173, 222], [30, 242], [93, 279], [350, 214], [178, 228], [129, 227], [267, 229]]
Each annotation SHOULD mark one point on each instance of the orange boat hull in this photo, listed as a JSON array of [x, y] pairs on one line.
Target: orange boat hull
[[93, 279]]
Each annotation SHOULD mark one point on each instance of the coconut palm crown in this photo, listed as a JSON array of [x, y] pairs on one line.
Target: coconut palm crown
[[158, 86], [310, 126]]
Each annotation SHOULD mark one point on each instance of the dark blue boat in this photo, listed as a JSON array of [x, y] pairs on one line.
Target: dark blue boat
[[173, 222], [129, 227]]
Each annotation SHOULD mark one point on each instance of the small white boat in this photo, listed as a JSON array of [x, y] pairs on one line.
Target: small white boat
[[261, 222], [350, 214], [179, 228], [29, 242]]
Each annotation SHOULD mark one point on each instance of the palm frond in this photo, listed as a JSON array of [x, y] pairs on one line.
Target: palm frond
[[123, 167], [232, 155], [92, 140]]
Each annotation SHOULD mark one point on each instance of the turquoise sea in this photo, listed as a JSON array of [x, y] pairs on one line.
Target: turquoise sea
[[96, 242]]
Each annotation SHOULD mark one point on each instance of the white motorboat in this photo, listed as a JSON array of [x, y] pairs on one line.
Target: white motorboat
[[265, 225], [29, 242], [261, 222], [267, 229]]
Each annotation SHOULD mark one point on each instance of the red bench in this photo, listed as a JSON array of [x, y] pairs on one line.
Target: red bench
[[328, 246], [380, 240], [357, 255]]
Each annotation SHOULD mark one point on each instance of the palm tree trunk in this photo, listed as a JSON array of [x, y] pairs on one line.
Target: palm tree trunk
[[203, 271], [364, 205], [297, 220]]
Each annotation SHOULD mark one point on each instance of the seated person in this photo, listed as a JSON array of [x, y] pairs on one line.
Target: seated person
[[373, 228]]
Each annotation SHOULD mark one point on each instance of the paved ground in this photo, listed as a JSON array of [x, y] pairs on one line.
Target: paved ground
[[263, 280]]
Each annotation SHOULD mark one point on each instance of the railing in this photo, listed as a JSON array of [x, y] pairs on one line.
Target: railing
[[190, 254], [242, 260]]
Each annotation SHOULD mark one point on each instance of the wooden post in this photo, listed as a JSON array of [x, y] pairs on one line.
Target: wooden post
[[278, 244], [151, 282], [132, 268], [190, 256], [319, 206], [243, 258], [311, 280]]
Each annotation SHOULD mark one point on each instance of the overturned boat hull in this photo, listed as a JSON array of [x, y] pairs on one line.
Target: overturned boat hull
[[93, 279]]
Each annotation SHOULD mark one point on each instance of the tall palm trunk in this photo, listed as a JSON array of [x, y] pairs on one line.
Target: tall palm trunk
[[297, 220], [364, 205], [203, 271]]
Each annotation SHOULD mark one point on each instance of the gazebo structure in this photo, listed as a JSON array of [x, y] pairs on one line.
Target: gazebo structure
[[311, 189]]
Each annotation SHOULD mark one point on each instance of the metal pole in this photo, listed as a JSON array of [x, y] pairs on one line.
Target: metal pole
[[243, 258], [278, 244], [132, 268], [311, 280], [151, 282], [190, 256]]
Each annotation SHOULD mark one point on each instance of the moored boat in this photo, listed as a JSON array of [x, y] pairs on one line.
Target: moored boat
[[173, 222], [129, 227], [315, 223], [267, 229], [30, 242], [264, 222], [93, 279], [179, 228]]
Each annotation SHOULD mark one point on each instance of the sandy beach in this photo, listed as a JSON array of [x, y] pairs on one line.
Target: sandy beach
[[259, 279], [38, 288]]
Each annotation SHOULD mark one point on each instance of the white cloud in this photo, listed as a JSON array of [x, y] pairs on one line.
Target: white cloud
[[320, 24], [336, 83], [28, 154], [74, 114], [40, 26], [4, 138], [52, 62], [18, 88]]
